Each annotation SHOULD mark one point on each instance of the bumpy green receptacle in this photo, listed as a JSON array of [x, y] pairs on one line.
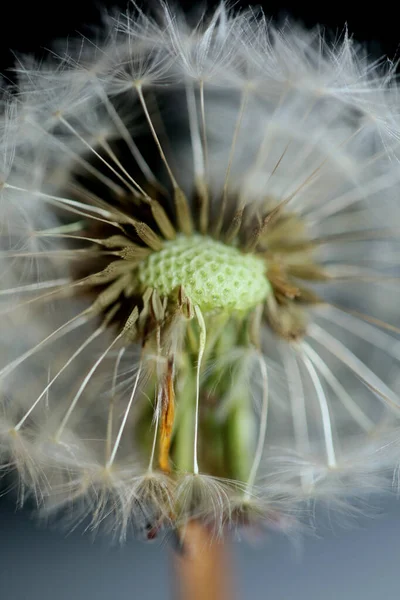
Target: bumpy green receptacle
[[214, 276]]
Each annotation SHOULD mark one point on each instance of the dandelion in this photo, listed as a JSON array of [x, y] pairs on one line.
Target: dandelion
[[199, 275]]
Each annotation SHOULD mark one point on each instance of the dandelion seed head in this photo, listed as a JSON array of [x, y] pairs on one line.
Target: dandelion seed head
[[198, 258]]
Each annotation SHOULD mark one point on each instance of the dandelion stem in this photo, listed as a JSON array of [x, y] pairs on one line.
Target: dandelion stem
[[202, 568], [183, 437]]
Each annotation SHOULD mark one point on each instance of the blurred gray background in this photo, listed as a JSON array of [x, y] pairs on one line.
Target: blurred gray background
[[361, 562]]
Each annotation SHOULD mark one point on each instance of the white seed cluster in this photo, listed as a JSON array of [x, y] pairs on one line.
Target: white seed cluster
[[238, 117]]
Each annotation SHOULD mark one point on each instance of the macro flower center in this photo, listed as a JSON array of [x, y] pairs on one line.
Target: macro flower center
[[214, 276]]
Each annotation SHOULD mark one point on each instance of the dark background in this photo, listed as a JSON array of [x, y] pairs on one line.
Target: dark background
[[39, 563], [29, 25]]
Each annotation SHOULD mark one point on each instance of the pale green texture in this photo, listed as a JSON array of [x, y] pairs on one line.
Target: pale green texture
[[214, 276]]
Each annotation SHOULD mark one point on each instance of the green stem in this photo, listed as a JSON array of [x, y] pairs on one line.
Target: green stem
[[183, 443], [240, 433]]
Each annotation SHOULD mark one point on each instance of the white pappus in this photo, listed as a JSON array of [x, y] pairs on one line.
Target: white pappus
[[199, 273]]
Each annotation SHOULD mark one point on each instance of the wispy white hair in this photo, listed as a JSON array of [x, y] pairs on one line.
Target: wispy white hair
[[270, 114]]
